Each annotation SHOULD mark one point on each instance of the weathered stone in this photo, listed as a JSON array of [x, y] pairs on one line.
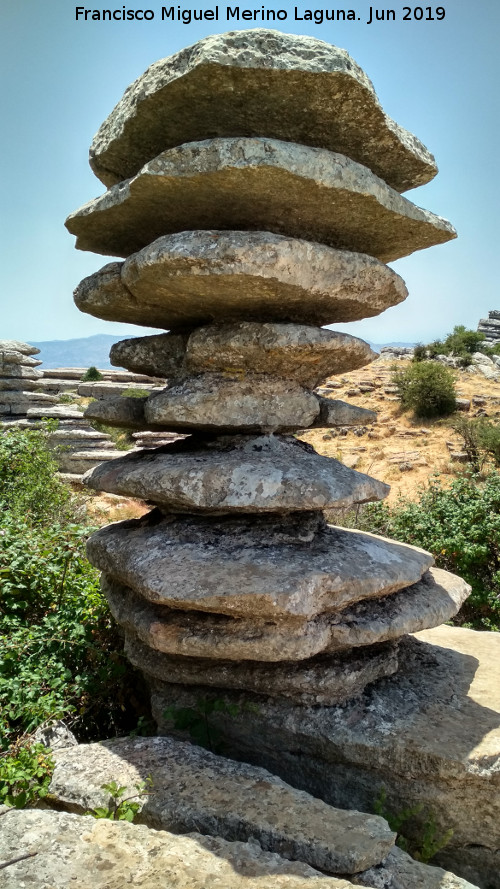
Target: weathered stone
[[263, 474], [298, 352], [54, 412], [20, 371], [13, 384], [216, 403], [23, 400], [260, 185], [196, 277], [78, 461], [258, 82], [195, 789], [18, 346], [436, 598], [293, 351], [260, 565], [400, 871], [121, 411], [55, 735], [106, 389], [78, 851], [325, 679], [430, 736], [161, 354], [339, 413], [15, 357]]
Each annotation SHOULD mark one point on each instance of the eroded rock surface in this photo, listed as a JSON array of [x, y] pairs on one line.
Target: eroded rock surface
[[258, 83], [257, 185], [196, 277]]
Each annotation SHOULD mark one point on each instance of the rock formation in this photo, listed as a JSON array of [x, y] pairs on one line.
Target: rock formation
[[19, 378], [490, 327], [244, 229]]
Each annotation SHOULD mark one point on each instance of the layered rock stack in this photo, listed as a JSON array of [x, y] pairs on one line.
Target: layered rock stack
[[254, 193], [490, 328], [19, 378]]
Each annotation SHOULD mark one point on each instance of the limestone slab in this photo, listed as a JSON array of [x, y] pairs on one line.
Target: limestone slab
[[299, 352], [18, 346], [194, 789], [14, 356], [20, 371], [122, 411], [13, 384], [430, 736], [261, 474], [260, 566], [400, 870], [324, 679], [261, 185], [78, 851], [197, 277], [160, 355], [333, 412], [436, 598], [215, 402], [258, 82]]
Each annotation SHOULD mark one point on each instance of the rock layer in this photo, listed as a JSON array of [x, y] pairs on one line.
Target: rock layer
[[263, 474], [261, 566], [194, 278], [259, 185], [258, 83]]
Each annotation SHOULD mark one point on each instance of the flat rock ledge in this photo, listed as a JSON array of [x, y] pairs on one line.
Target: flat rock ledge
[[244, 474], [193, 789], [324, 679], [305, 354], [258, 185], [197, 277], [258, 83], [262, 566], [436, 598], [217, 403], [428, 736], [79, 852]]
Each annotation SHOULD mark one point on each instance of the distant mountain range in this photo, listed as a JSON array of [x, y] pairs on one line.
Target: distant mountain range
[[94, 350]]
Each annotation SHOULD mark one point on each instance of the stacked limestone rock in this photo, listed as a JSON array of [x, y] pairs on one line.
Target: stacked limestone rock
[[490, 328], [241, 245], [19, 379]]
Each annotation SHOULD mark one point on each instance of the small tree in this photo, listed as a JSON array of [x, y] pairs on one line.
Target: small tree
[[427, 388], [92, 375]]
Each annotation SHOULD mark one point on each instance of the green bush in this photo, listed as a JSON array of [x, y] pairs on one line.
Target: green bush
[[25, 774], [460, 525], [427, 388], [60, 653], [461, 344], [28, 483], [480, 440], [92, 375]]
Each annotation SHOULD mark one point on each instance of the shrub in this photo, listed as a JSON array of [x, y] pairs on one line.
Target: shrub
[[60, 653], [25, 774], [28, 482], [460, 525], [426, 388], [461, 344], [91, 375]]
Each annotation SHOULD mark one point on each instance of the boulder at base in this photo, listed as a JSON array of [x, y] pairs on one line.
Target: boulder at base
[[428, 736]]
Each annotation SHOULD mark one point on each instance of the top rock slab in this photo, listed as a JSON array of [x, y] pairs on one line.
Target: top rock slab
[[258, 82]]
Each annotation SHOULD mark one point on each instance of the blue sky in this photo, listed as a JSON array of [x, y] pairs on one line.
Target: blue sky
[[61, 78]]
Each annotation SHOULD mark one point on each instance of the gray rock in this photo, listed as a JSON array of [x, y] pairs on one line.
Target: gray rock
[[78, 461], [55, 735], [15, 357], [339, 413], [292, 351], [400, 871], [197, 277], [258, 82], [217, 403], [261, 185], [54, 412], [13, 384], [18, 346], [161, 354], [325, 679], [263, 474], [71, 850], [23, 400], [20, 371], [429, 735], [121, 411], [436, 598], [193, 789], [299, 352], [256, 566], [106, 389]]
